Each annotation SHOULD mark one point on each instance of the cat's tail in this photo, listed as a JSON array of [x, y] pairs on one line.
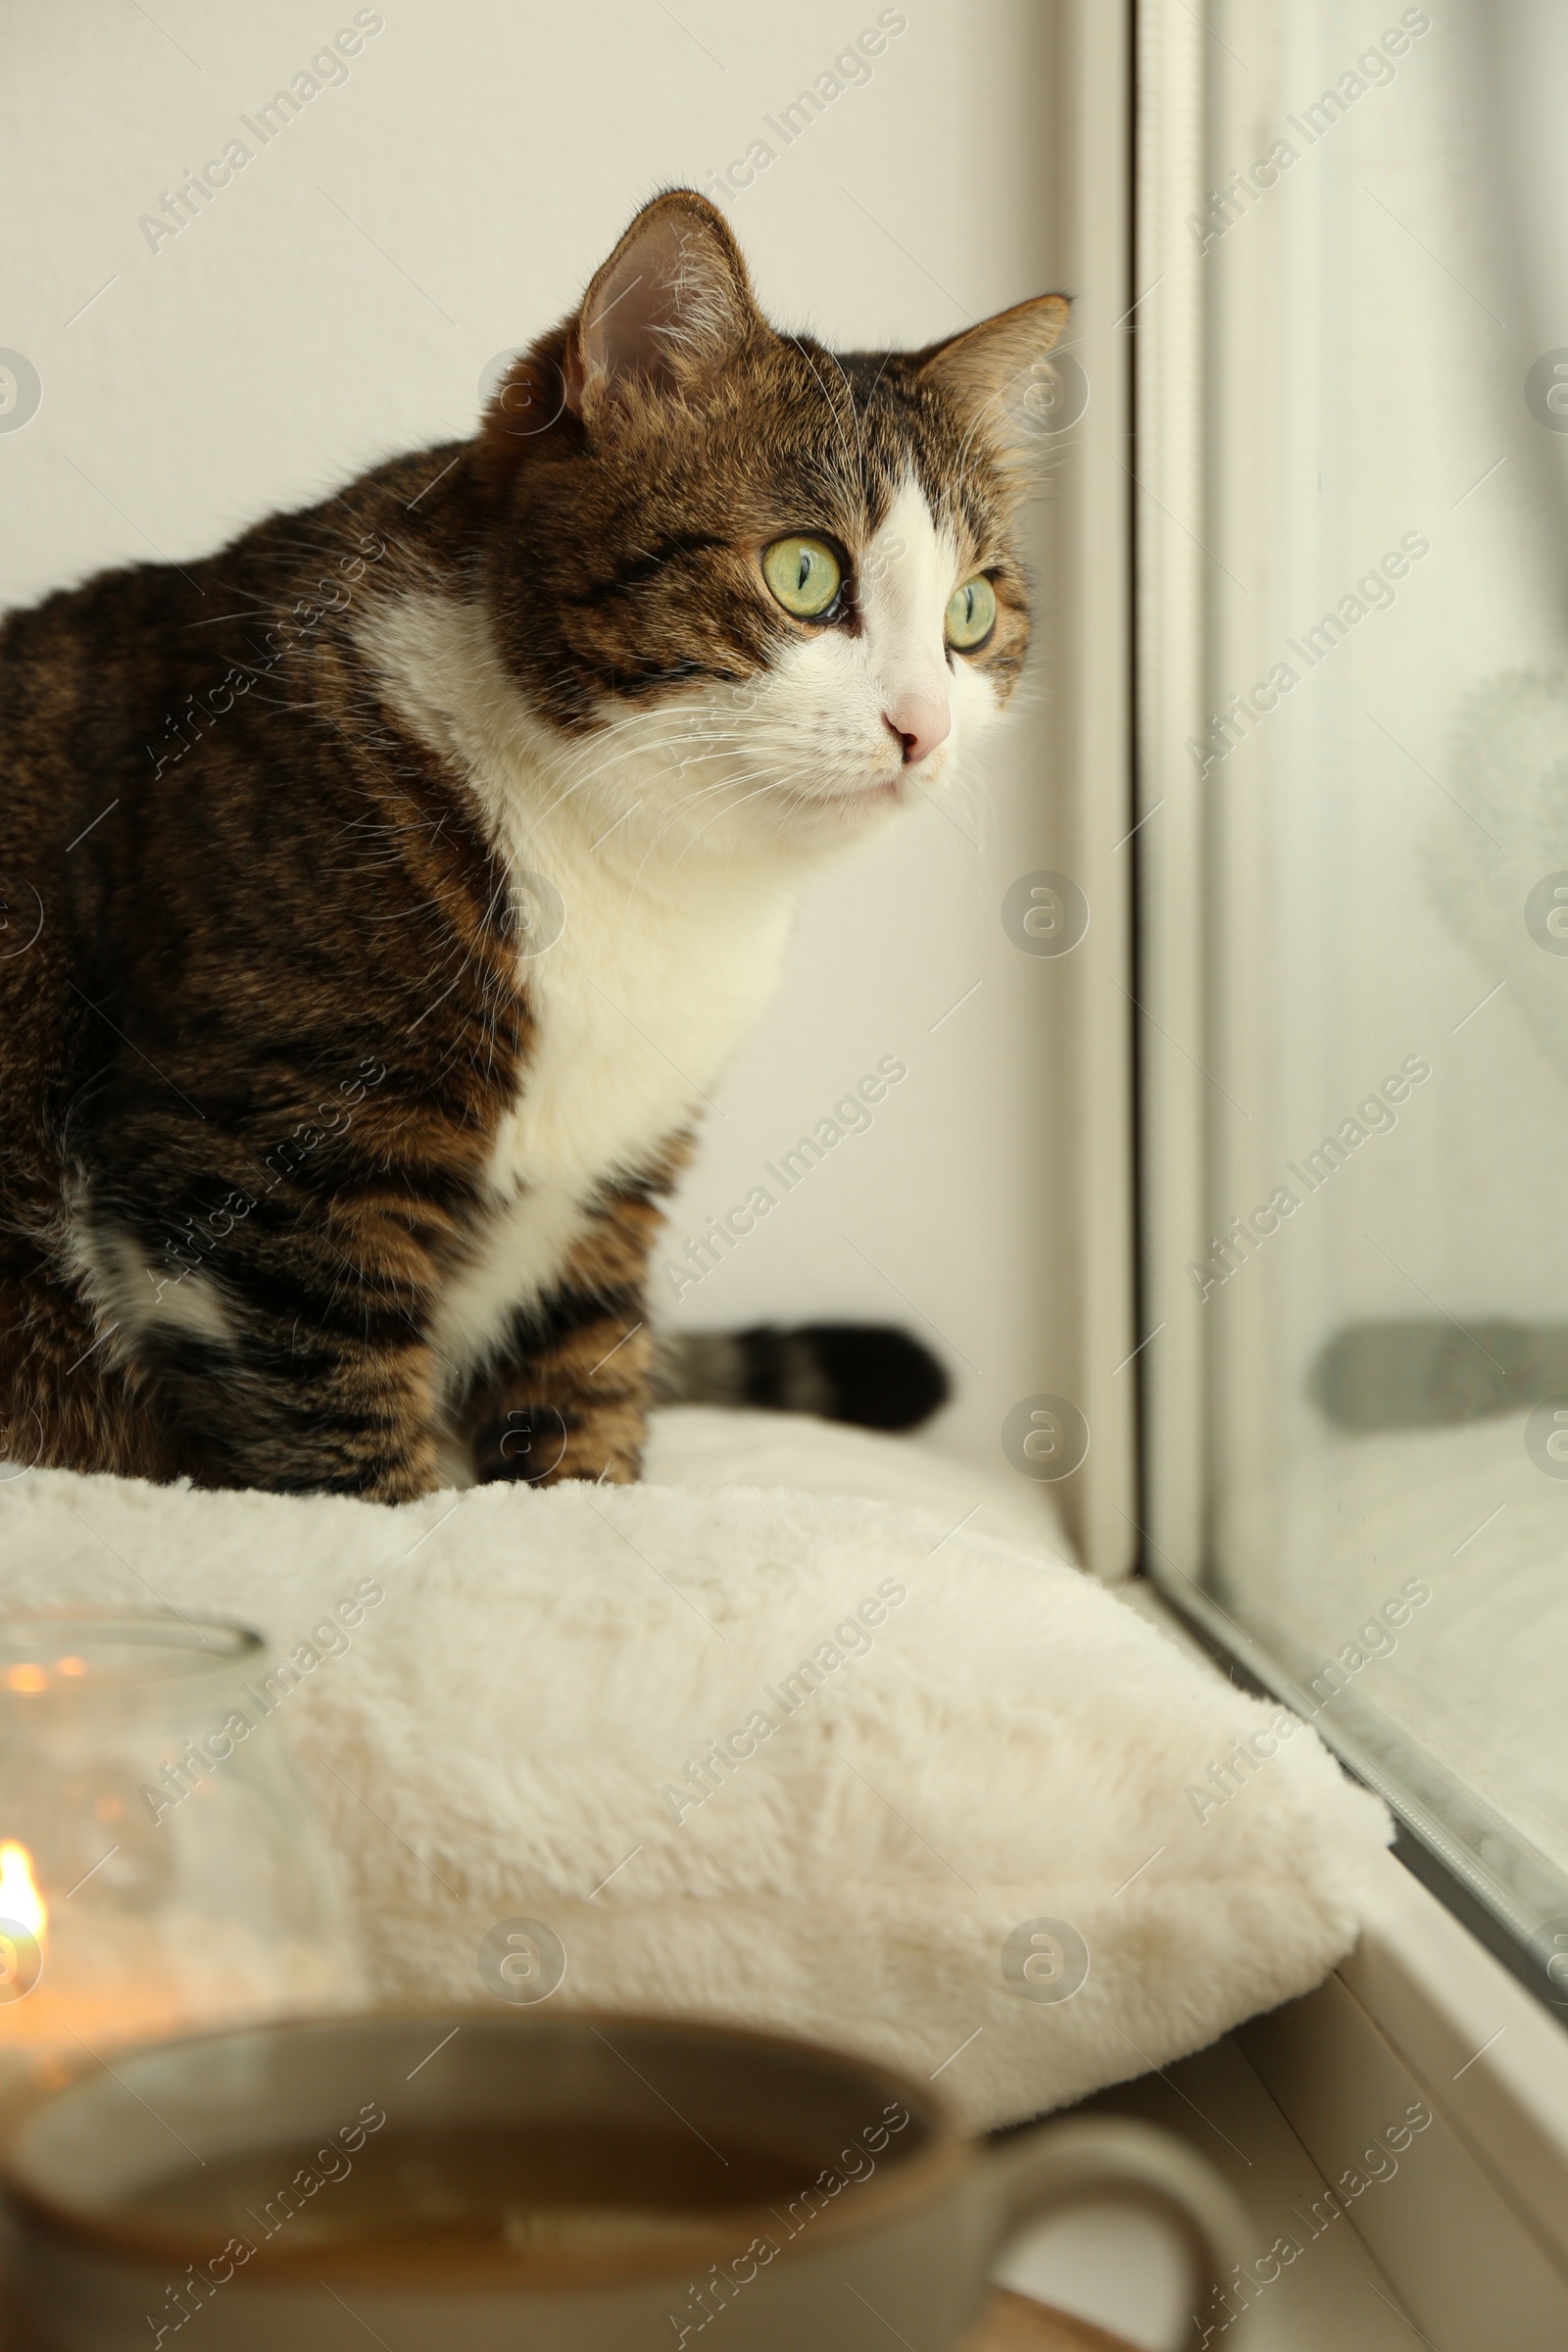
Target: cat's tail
[[869, 1373]]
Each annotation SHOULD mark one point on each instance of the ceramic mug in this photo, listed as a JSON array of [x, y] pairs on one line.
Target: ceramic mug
[[573, 2184]]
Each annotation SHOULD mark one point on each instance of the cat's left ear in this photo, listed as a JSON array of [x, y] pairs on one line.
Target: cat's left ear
[[998, 374], [668, 311]]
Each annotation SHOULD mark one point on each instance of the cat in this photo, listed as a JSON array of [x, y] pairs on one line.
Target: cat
[[382, 895]]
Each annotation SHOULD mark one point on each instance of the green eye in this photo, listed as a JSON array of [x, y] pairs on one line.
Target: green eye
[[804, 575], [971, 614]]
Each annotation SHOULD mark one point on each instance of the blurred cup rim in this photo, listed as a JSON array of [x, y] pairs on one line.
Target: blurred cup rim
[[896, 2188]]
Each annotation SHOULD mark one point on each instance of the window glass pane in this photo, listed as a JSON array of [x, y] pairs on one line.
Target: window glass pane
[[1375, 1289]]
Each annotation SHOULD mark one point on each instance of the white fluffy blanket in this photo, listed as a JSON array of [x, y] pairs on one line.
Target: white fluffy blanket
[[988, 1738]]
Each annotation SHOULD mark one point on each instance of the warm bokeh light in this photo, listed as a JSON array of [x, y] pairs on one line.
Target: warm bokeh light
[[19, 1899]]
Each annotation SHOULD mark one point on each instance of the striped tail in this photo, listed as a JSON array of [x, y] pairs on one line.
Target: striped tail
[[869, 1373]]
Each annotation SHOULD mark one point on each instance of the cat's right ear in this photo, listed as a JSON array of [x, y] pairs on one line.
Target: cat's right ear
[[663, 317], [666, 315]]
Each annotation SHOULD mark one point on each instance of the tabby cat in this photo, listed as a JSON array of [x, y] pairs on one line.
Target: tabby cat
[[383, 894]]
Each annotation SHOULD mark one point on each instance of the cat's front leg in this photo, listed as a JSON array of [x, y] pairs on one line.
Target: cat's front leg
[[571, 1403], [294, 1356], [570, 1398]]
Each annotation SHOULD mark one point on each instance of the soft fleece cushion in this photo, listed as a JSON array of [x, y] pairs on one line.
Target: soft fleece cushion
[[1010, 1742]]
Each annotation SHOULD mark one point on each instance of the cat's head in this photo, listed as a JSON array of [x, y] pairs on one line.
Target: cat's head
[[763, 591]]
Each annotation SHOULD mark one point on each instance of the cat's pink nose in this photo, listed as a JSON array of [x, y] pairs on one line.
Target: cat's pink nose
[[920, 721]]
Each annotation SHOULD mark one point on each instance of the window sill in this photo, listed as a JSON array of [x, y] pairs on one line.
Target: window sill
[[1472, 2230]]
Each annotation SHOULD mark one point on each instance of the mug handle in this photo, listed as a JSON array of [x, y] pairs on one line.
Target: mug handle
[[1108, 2158]]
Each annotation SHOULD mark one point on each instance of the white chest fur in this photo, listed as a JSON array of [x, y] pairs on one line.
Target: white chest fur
[[634, 1009], [662, 966]]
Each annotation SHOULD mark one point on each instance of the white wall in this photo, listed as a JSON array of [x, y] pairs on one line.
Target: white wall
[[340, 299]]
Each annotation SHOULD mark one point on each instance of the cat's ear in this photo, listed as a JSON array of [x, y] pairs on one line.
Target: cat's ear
[[998, 373], [668, 310]]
